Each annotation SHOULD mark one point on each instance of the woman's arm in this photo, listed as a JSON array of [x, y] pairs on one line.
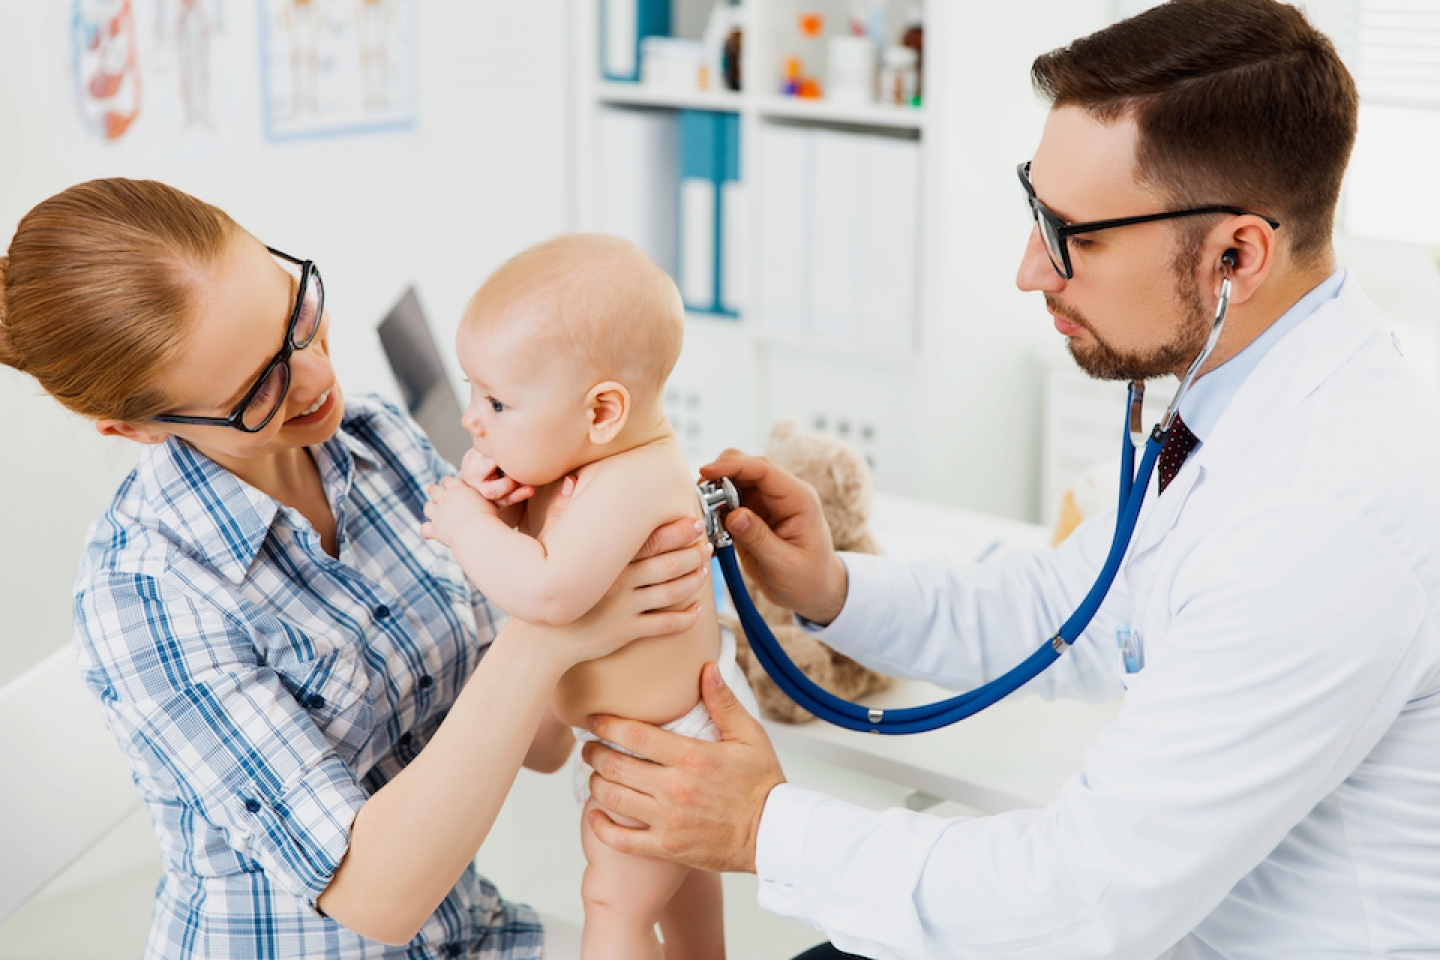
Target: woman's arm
[[411, 840]]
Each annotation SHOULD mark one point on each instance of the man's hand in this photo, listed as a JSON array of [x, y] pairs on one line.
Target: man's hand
[[784, 540], [485, 475], [700, 801], [452, 505]]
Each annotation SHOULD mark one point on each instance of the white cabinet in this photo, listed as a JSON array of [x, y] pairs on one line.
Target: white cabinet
[[871, 248]]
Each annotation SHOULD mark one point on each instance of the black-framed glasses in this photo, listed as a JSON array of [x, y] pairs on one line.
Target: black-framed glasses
[[260, 404], [1056, 233]]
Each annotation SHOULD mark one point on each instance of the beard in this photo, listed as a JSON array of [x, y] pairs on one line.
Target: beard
[[1103, 361]]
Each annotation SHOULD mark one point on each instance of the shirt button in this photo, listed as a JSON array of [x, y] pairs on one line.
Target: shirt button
[[406, 739], [315, 701], [252, 806], [381, 612], [425, 681], [452, 950]]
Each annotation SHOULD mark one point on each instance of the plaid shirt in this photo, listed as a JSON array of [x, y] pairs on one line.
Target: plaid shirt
[[263, 689]]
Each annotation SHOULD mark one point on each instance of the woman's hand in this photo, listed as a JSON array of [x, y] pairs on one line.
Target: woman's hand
[[784, 539], [654, 596], [485, 475]]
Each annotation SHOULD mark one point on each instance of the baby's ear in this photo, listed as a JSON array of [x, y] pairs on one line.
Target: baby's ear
[[608, 407]]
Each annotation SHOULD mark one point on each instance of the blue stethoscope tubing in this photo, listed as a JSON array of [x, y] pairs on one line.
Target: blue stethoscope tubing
[[932, 716], [853, 716]]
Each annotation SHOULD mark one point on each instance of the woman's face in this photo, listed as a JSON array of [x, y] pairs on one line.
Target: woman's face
[[243, 311]]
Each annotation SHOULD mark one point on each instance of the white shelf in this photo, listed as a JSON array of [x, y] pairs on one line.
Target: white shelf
[[637, 94], [818, 346], [860, 115], [770, 107]]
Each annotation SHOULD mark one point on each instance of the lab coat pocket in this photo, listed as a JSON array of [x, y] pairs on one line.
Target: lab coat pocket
[[333, 689], [1129, 654]]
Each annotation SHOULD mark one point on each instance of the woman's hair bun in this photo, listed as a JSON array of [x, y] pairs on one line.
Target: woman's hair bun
[[8, 356]]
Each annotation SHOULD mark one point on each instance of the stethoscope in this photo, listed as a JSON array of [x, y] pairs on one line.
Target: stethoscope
[[717, 498]]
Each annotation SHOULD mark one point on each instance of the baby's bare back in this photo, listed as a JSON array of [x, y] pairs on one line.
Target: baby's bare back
[[656, 679]]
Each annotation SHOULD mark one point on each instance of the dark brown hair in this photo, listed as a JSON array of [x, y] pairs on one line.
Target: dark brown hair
[[1237, 102], [98, 288]]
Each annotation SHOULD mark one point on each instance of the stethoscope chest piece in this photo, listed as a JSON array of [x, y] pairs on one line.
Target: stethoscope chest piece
[[717, 498]]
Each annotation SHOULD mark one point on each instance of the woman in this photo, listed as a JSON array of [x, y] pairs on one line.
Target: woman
[[322, 716]]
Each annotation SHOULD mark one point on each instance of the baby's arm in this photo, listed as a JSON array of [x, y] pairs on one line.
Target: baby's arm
[[615, 506]]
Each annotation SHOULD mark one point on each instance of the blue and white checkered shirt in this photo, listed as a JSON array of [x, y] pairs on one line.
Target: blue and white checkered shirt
[[263, 689]]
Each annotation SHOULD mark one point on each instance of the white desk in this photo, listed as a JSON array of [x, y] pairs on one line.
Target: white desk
[[1015, 754]]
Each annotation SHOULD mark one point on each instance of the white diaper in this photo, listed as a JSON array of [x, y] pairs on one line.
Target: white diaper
[[696, 724]]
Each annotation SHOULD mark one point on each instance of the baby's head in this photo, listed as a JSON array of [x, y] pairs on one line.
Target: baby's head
[[567, 348]]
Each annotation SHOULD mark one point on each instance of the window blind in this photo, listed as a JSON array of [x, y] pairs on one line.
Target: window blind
[[1398, 52]]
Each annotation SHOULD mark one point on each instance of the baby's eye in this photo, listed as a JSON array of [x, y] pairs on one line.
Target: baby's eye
[[495, 405]]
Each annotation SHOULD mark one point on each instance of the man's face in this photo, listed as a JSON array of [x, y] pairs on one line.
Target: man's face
[[1133, 310]]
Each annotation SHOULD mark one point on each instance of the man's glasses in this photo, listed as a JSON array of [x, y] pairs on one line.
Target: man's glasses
[[262, 402], [1056, 232]]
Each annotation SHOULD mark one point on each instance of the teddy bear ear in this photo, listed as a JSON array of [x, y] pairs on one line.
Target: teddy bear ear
[[852, 479], [784, 432], [782, 436]]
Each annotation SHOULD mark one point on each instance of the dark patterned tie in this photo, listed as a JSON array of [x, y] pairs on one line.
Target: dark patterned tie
[[1177, 447]]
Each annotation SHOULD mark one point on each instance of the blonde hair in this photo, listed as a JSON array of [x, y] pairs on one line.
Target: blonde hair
[[614, 314], [99, 287]]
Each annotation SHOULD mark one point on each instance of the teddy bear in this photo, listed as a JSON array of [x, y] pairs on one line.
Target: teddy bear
[[841, 477]]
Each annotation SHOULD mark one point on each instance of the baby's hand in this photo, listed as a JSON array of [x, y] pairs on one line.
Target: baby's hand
[[452, 505], [482, 473]]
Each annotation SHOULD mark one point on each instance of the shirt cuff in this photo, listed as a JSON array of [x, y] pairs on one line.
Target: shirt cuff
[[863, 615], [780, 848], [300, 836]]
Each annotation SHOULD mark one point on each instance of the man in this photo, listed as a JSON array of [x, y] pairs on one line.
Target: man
[[1269, 787]]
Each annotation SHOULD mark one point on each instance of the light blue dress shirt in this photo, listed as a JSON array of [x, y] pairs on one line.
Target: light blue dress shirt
[[1211, 394]]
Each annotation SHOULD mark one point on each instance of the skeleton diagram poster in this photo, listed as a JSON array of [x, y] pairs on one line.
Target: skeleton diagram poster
[[335, 67], [146, 78]]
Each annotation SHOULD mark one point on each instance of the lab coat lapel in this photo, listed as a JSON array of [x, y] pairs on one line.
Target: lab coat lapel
[[1290, 372], [1159, 514]]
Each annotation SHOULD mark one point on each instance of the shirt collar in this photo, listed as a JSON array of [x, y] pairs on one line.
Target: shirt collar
[[224, 519], [1212, 393]]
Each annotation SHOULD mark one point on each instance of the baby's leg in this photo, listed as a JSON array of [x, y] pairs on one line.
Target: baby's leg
[[693, 922], [624, 895]]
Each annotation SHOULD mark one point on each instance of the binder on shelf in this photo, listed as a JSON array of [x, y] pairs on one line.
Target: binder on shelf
[[734, 236], [623, 24], [637, 180], [835, 235], [889, 244], [839, 236], [782, 237], [709, 199], [699, 208]]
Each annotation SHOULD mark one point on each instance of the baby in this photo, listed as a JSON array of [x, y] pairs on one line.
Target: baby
[[567, 348]]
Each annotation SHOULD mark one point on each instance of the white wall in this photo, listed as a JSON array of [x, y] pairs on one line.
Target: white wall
[[985, 341], [482, 176]]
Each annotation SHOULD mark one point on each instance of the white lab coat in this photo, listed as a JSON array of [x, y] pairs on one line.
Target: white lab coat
[[1271, 785]]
